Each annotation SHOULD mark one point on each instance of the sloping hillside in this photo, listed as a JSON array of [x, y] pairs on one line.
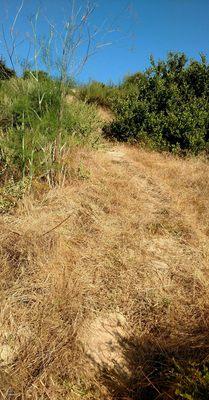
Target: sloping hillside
[[126, 241]]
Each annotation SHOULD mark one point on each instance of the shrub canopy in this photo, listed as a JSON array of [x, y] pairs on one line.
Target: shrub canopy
[[167, 106]]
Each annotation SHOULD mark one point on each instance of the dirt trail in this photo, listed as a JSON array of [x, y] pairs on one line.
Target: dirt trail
[[136, 245]]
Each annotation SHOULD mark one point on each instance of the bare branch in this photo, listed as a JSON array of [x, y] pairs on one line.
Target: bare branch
[[16, 17]]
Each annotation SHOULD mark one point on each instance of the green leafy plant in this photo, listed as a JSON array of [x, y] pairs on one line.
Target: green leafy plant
[[192, 382]]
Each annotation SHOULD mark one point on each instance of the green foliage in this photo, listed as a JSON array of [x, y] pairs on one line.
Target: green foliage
[[5, 72], [192, 382], [38, 75], [166, 107], [33, 114], [82, 172], [10, 193], [96, 92]]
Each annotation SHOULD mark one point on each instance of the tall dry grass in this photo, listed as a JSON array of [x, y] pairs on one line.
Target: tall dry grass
[[136, 242]]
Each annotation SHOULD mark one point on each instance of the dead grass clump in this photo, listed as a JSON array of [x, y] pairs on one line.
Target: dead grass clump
[[24, 249]]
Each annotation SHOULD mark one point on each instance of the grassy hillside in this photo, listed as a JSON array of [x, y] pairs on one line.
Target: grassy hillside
[[104, 250], [40, 130], [129, 239]]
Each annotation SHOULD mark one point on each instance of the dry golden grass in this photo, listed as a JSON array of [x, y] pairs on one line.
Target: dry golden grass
[[136, 242]]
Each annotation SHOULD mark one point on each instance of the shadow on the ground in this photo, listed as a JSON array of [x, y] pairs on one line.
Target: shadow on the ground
[[151, 363]]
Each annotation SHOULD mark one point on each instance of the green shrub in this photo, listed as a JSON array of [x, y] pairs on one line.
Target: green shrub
[[38, 75], [167, 106], [97, 93]]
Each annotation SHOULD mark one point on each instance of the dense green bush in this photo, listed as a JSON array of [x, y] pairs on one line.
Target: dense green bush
[[167, 106]]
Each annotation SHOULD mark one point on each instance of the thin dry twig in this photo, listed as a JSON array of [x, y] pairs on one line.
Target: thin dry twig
[[57, 226]]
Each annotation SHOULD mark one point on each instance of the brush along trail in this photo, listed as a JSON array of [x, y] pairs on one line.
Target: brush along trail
[[129, 266]]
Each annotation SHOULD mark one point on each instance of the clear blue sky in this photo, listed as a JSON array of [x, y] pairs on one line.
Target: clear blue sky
[[135, 28]]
